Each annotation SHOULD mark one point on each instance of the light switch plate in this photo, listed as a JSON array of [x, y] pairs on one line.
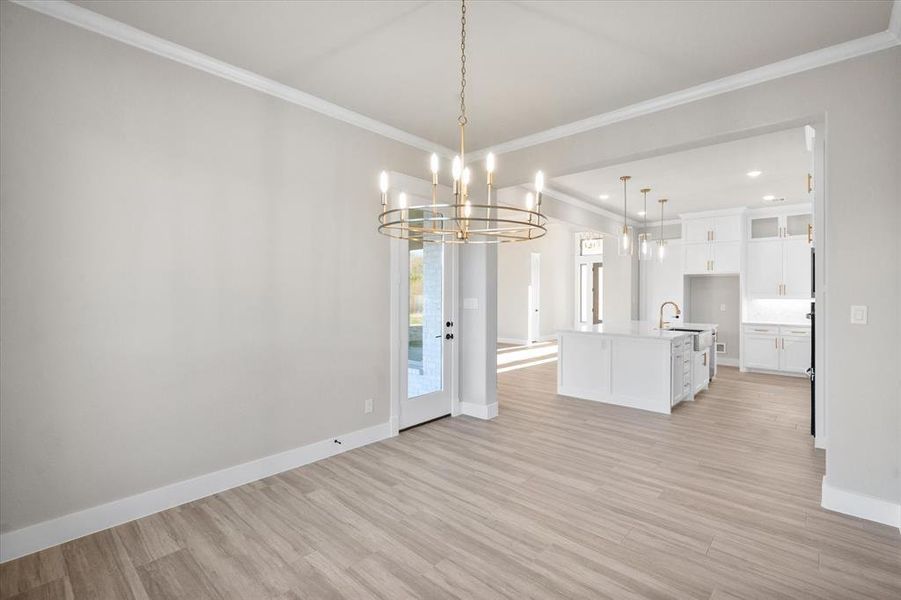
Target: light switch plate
[[722, 308], [858, 315], [471, 303]]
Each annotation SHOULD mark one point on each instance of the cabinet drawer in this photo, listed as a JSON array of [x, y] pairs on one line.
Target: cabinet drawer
[[796, 331], [761, 329]]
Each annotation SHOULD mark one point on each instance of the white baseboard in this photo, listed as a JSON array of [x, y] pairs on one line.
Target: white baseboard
[[479, 411], [46, 534], [514, 341], [819, 441], [860, 505], [726, 361]]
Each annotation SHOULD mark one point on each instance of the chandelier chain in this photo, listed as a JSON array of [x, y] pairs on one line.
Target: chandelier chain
[[462, 120]]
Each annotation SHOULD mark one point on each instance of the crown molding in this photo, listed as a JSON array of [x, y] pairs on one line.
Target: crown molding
[[562, 196], [894, 23], [791, 66], [116, 30]]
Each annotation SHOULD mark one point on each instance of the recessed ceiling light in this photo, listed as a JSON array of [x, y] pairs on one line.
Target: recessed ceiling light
[[754, 173], [641, 213], [769, 197], [605, 196]]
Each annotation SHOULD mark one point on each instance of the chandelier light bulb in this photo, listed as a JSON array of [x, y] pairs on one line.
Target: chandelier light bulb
[[467, 174], [434, 164], [530, 201], [490, 162], [383, 182], [661, 252], [467, 209], [645, 249], [456, 168], [402, 200], [625, 240], [539, 182]]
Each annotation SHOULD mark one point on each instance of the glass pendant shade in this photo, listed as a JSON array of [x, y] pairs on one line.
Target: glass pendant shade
[[626, 241], [661, 243], [645, 246]]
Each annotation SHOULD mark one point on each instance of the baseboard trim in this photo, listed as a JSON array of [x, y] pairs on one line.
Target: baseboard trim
[[860, 505], [46, 534], [514, 341], [479, 411], [727, 362]]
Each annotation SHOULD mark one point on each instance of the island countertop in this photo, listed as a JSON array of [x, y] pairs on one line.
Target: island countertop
[[641, 329]]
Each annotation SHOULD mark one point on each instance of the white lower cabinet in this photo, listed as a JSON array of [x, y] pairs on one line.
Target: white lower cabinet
[[681, 371], [777, 348], [701, 377]]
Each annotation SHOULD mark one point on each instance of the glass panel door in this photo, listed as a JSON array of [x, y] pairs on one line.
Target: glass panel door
[[426, 325]]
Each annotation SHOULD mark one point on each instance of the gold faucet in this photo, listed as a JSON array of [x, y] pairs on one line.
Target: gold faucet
[[663, 323]]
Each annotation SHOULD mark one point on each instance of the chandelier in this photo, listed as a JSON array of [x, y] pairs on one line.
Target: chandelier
[[460, 220]]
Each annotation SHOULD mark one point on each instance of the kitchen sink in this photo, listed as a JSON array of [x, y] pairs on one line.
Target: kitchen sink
[[702, 338]]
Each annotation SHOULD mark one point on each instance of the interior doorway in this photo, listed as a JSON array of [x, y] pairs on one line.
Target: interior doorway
[[589, 279], [535, 298]]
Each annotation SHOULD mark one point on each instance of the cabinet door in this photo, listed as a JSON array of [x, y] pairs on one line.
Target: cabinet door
[[701, 370], [696, 230], [796, 268], [678, 378], [795, 354], [727, 229], [762, 351], [726, 257], [797, 226], [764, 269], [696, 258], [763, 228]]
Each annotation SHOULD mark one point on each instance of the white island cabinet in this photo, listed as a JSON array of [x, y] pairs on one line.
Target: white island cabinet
[[630, 364]]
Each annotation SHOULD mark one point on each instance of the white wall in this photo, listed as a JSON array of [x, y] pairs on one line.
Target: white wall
[[191, 274], [860, 101], [556, 287]]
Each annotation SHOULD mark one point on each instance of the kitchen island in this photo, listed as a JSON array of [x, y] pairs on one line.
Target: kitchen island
[[633, 364]]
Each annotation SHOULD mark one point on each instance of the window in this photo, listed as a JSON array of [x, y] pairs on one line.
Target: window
[[592, 247]]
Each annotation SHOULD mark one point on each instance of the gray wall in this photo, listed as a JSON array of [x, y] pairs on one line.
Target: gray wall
[[860, 100], [191, 276], [705, 296]]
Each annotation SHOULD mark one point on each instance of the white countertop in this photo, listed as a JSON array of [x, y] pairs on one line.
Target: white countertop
[[642, 329], [775, 323], [701, 326]]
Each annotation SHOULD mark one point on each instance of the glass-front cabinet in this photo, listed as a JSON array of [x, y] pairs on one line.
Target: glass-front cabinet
[[786, 226]]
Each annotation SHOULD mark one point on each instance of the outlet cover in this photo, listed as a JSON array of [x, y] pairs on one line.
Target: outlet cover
[[722, 308], [367, 406], [858, 315]]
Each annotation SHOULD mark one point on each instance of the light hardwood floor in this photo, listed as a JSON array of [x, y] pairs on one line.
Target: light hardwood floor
[[556, 498]]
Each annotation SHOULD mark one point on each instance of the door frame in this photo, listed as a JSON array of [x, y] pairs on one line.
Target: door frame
[[399, 308]]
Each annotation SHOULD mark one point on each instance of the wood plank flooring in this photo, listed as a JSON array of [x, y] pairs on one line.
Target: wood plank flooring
[[556, 498]]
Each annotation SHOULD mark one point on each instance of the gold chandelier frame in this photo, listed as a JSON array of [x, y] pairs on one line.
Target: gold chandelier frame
[[461, 221]]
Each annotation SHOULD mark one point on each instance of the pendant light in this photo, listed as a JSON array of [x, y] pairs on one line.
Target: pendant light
[[661, 243], [626, 238], [645, 252]]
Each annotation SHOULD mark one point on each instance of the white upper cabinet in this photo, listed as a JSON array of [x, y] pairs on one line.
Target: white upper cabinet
[[712, 243], [727, 229], [696, 258], [764, 272], [795, 268], [796, 224], [778, 260], [726, 257], [697, 230]]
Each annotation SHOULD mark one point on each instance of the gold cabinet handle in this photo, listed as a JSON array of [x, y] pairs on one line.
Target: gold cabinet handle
[[809, 183], [783, 343], [810, 233], [776, 340], [705, 359]]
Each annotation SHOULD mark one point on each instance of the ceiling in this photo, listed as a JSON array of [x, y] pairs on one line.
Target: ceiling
[[530, 65], [707, 178]]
